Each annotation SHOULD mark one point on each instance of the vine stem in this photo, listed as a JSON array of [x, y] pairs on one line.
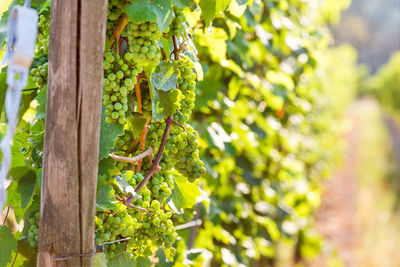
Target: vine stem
[[15, 259], [5, 217], [127, 142], [123, 21], [142, 143], [176, 47], [133, 160]]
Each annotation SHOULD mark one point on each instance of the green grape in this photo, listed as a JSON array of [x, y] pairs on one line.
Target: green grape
[[33, 231]]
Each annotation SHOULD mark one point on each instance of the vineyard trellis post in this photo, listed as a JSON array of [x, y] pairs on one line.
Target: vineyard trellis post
[[68, 199]]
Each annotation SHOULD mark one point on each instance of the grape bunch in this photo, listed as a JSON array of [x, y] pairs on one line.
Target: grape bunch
[[143, 42], [115, 10], [39, 70], [33, 233], [119, 80], [177, 26], [184, 154], [187, 84], [145, 228], [43, 39]]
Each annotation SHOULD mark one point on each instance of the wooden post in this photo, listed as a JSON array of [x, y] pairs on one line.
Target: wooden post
[[68, 198]]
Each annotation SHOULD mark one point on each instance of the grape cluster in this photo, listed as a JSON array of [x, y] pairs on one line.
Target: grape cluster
[[177, 26], [33, 233], [145, 229], [143, 42], [187, 84], [184, 154], [39, 70], [115, 10], [119, 80], [43, 39]]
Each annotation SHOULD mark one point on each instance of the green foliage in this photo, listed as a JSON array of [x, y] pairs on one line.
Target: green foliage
[[385, 84], [7, 245]]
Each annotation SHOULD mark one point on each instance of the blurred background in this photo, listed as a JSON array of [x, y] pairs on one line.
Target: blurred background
[[359, 216]]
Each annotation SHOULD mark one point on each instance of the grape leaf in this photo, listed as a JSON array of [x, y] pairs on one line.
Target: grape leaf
[[41, 109], [108, 133], [137, 123], [165, 103], [105, 165], [159, 11], [208, 10], [105, 197], [26, 185], [215, 42], [184, 3], [99, 260], [7, 245], [164, 77], [19, 260], [19, 194], [143, 262], [221, 5], [185, 193], [124, 259]]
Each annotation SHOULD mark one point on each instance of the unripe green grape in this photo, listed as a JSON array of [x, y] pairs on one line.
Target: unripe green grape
[[115, 115], [117, 106], [119, 74]]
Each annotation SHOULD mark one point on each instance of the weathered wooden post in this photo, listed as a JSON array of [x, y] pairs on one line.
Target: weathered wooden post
[[68, 200]]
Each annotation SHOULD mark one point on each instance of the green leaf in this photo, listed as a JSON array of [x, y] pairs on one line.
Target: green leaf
[[222, 5], [185, 193], [164, 77], [159, 11], [143, 262], [140, 11], [99, 260], [106, 167], [208, 10], [215, 42], [7, 245], [124, 259], [137, 123], [166, 45], [184, 3], [106, 197], [26, 185], [19, 194], [165, 103], [41, 99], [19, 260], [108, 133]]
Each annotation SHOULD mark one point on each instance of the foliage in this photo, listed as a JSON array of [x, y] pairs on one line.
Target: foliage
[[247, 86], [384, 84]]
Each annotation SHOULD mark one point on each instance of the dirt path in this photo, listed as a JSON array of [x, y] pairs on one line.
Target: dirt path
[[336, 217], [359, 216]]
